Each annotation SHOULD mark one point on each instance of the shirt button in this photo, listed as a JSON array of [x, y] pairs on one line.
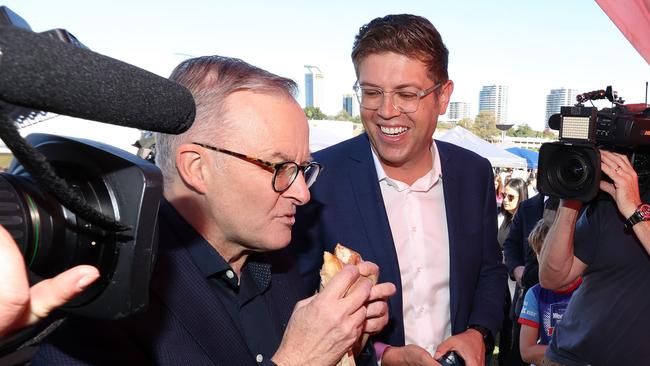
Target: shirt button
[[230, 274], [259, 358]]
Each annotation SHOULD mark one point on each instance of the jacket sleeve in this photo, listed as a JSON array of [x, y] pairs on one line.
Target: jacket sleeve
[[531, 270]]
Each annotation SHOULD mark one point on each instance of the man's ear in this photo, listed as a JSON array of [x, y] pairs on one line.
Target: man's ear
[[192, 164], [445, 95]]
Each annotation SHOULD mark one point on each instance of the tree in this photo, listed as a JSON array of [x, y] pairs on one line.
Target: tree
[[523, 130], [466, 123], [485, 125], [549, 134], [342, 116], [314, 113], [356, 119], [444, 125]]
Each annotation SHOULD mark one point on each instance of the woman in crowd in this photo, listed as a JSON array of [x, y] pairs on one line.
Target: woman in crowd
[[514, 193]]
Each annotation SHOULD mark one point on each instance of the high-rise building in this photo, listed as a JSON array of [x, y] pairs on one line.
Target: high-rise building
[[559, 98], [494, 98], [458, 111], [350, 105], [314, 81]]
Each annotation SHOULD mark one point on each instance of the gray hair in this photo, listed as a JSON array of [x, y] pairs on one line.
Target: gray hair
[[211, 79]]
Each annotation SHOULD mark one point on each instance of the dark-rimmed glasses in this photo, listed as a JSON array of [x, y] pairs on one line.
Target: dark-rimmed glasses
[[405, 101], [284, 174]]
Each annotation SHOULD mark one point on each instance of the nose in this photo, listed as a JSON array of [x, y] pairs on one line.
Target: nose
[[387, 110], [298, 190]]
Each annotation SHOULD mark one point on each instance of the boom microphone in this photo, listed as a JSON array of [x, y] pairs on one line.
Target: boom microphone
[[42, 73]]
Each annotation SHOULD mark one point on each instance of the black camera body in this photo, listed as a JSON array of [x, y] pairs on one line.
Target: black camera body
[[53, 238], [570, 167]]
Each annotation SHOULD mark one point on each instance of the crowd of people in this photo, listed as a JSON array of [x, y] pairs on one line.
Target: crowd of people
[[456, 247]]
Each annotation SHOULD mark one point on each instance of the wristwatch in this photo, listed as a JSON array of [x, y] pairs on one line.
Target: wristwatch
[[488, 339], [642, 213]]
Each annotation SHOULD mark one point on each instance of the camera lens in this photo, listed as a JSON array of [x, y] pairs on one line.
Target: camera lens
[[573, 172]]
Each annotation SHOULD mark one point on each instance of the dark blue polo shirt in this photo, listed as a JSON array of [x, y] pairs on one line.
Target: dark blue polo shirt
[[244, 298]]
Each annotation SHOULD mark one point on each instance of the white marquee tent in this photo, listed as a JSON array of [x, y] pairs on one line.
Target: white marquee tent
[[497, 156]]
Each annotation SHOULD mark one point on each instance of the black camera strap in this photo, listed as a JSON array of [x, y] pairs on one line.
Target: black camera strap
[[43, 173]]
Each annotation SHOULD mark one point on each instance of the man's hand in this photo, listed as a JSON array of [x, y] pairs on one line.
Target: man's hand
[[325, 326], [20, 305], [409, 355], [625, 189], [469, 345]]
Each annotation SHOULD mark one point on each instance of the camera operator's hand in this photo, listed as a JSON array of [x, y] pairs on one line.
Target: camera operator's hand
[[625, 189], [21, 305]]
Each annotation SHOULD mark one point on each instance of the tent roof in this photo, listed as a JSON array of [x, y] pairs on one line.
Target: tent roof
[[497, 156], [530, 155]]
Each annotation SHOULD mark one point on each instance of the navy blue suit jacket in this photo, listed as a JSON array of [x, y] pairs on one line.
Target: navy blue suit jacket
[[185, 323], [347, 207], [516, 249]]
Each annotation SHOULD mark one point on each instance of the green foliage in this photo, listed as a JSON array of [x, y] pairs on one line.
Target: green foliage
[[524, 130], [466, 123], [356, 119], [314, 113], [485, 125], [549, 134], [342, 116], [442, 125]]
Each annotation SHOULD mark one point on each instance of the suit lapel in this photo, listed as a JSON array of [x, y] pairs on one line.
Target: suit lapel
[[453, 203], [367, 195], [181, 286]]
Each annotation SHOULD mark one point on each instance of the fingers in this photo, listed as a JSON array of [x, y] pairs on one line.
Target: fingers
[[376, 317], [382, 291], [615, 159], [368, 269], [340, 283], [625, 189], [608, 187], [14, 287], [54, 292], [358, 294]]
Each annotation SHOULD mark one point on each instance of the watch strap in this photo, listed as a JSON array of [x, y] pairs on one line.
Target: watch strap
[[642, 213]]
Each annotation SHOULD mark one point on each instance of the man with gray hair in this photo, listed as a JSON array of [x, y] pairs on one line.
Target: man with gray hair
[[224, 292]]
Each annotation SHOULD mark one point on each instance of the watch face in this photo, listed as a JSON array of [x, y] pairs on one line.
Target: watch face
[[644, 210]]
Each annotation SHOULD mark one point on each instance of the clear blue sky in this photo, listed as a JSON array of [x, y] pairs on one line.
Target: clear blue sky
[[531, 46]]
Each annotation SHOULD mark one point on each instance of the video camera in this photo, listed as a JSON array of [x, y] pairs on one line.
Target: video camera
[[69, 201], [570, 167]]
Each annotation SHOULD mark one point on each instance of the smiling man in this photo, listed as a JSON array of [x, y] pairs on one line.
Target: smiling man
[[423, 210]]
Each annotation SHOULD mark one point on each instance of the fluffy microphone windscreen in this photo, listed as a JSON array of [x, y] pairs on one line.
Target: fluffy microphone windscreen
[[42, 73]]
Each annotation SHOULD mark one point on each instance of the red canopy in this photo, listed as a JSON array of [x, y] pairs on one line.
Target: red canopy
[[632, 17]]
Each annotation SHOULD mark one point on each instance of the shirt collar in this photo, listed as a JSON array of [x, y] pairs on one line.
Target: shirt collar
[[208, 260], [423, 183]]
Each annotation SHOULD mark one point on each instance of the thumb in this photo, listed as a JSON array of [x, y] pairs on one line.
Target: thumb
[[54, 292], [609, 188]]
